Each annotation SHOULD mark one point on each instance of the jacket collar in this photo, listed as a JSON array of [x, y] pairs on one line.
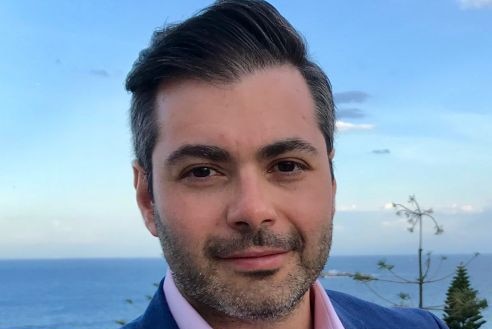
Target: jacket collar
[[158, 314]]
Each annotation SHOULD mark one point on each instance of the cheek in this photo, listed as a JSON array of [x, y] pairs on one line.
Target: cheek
[[310, 208], [193, 216]]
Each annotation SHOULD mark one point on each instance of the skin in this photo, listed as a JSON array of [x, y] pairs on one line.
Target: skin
[[242, 195]]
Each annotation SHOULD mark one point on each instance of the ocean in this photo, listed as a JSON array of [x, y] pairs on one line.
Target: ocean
[[97, 293]]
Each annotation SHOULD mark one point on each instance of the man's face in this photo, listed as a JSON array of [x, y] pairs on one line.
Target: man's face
[[243, 196]]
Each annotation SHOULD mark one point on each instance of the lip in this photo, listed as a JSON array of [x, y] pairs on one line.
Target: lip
[[256, 259]]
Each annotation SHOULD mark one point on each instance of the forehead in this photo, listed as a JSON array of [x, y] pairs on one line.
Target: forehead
[[260, 108]]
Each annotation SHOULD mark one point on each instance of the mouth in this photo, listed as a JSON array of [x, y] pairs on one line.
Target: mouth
[[253, 260]]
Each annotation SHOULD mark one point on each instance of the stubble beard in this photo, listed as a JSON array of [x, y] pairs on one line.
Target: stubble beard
[[263, 298]]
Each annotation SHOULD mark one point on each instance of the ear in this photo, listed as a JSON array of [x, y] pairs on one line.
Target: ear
[[144, 198], [332, 154], [334, 181]]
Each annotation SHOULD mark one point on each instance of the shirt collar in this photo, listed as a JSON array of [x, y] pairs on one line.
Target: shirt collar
[[183, 313], [188, 318], [325, 316]]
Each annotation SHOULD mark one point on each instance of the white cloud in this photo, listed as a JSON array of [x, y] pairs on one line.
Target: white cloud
[[343, 126], [388, 205], [352, 207], [468, 208], [459, 209], [475, 4], [338, 227], [61, 226], [400, 223], [381, 232]]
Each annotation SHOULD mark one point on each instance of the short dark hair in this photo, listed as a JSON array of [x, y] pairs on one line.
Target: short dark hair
[[221, 44]]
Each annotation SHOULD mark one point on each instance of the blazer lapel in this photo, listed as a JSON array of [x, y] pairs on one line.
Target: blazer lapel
[[347, 318], [158, 314]]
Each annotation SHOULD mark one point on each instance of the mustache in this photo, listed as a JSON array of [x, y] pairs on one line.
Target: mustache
[[220, 247]]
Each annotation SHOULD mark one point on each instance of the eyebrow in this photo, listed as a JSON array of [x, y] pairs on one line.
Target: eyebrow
[[284, 146], [217, 154], [209, 152]]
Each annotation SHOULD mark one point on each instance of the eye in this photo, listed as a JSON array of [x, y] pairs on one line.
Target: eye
[[201, 172], [288, 167], [202, 175]]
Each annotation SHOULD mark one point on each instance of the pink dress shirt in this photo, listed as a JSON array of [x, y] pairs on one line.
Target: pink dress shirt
[[188, 318]]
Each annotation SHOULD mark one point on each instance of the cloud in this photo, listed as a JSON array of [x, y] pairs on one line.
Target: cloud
[[60, 226], [100, 73], [352, 113], [388, 205], [354, 96], [475, 4], [338, 227], [400, 223], [343, 126], [352, 207], [381, 151], [459, 209]]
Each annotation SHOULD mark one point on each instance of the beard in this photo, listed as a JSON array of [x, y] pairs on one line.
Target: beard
[[254, 296]]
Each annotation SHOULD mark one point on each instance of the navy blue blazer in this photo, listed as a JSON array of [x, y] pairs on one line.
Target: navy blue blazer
[[353, 312]]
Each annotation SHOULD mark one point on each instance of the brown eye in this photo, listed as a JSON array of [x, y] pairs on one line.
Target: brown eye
[[288, 169], [201, 172], [202, 176], [287, 166]]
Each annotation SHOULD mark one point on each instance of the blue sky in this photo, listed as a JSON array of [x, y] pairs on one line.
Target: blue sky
[[412, 81]]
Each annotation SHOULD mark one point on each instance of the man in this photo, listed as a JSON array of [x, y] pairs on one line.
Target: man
[[233, 134]]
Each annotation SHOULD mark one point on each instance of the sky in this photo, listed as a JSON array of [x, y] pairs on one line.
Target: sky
[[413, 88]]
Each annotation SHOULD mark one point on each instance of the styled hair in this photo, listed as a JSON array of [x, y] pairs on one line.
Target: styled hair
[[220, 44]]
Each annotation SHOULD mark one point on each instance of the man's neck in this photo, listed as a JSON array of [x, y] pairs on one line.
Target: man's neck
[[300, 318]]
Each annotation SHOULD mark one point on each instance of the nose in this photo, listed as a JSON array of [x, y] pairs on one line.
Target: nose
[[251, 205]]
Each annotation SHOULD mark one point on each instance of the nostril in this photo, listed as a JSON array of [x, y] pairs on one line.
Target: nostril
[[245, 225], [242, 223], [242, 226]]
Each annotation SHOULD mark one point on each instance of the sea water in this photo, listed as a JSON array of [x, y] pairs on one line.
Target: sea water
[[101, 293]]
